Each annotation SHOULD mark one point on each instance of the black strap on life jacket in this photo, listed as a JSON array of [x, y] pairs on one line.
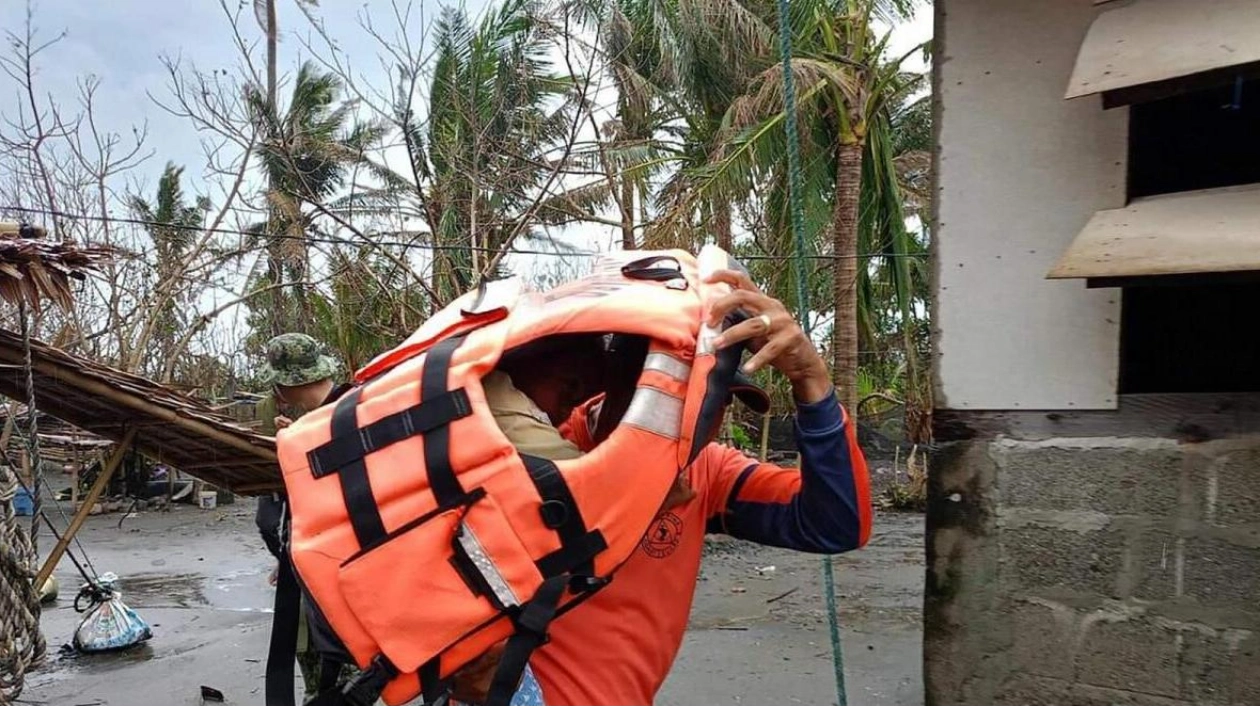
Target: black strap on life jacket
[[560, 512], [531, 632], [344, 455], [437, 442]]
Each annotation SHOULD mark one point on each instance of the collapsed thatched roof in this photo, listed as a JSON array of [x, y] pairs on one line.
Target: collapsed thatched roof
[[171, 427], [33, 269]]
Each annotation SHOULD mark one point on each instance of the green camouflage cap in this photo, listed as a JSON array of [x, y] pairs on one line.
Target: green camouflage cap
[[295, 359]]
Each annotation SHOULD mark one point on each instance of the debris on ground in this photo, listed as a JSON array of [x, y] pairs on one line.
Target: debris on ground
[[109, 624], [784, 595]]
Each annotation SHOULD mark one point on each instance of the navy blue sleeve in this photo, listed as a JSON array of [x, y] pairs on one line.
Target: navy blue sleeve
[[823, 507]]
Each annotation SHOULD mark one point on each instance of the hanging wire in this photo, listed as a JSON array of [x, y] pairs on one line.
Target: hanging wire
[[377, 239], [794, 164]]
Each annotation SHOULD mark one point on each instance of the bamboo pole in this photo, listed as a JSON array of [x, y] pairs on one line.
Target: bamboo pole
[[102, 480], [136, 402]]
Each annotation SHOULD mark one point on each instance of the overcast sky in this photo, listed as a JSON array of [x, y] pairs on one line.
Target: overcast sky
[[122, 42]]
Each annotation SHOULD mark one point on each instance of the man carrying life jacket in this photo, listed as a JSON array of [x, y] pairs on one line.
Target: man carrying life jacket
[[619, 646], [301, 379]]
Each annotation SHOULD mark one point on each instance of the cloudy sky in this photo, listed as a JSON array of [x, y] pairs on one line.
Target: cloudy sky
[[122, 44], [122, 41]]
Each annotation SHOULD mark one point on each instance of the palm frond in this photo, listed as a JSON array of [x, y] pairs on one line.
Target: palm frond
[[578, 204]]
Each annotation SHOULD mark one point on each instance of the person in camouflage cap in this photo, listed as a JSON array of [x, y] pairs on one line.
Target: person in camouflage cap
[[301, 377], [299, 373]]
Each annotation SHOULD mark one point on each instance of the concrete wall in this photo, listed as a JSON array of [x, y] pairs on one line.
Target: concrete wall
[[1094, 571], [1020, 172], [1121, 569]]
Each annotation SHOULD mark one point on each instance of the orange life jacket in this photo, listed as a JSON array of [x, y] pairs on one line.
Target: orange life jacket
[[419, 534]]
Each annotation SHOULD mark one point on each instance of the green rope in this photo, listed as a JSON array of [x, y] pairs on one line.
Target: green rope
[[794, 164], [802, 296], [833, 623]]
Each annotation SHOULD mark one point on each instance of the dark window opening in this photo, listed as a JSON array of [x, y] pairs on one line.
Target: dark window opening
[[1190, 338], [1205, 139]]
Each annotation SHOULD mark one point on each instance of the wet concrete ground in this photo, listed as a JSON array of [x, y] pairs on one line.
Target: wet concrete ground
[[757, 637]]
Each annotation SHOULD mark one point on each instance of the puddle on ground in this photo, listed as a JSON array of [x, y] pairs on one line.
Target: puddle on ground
[[241, 590], [162, 591]]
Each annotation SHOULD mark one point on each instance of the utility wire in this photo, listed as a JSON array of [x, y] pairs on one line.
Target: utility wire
[[373, 239]]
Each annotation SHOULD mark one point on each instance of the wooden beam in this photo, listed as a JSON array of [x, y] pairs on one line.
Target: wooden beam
[[1188, 417], [260, 488], [102, 480], [212, 463]]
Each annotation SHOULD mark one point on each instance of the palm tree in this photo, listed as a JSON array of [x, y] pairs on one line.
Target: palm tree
[[677, 66], [172, 225], [265, 13], [365, 308], [847, 87], [305, 152], [486, 153]]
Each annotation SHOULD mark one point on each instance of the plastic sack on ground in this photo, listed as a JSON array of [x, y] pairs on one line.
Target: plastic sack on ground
[[109, 624]]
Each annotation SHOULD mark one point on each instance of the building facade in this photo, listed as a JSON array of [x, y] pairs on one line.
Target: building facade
[[1094, 510]]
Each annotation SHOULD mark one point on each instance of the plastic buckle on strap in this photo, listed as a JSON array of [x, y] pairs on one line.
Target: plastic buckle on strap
[[555, 513], [586, 583], [366, 687]]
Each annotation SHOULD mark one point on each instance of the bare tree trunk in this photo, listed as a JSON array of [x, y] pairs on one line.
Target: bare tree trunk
[[844, 336], [627, 212], [272, 36], [275, 246], [275, 276], [722, 225]]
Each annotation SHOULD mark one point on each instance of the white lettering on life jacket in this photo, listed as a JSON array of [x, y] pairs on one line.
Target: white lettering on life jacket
[[588, 287]]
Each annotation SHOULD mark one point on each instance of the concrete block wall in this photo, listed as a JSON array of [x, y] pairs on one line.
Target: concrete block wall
[[1094, 571]]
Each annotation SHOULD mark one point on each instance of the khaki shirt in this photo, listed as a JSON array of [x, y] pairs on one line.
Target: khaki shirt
[[525, 426], [268, 409]]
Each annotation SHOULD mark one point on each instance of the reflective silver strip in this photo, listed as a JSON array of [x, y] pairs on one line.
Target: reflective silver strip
[[704, 342], [670, 366], [468, 540], [656, 412]]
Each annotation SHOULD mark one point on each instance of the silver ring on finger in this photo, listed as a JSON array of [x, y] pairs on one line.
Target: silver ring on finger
[[765, 321]]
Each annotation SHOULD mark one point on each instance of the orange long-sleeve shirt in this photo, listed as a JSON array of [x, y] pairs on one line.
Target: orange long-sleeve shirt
[[617, 648]]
